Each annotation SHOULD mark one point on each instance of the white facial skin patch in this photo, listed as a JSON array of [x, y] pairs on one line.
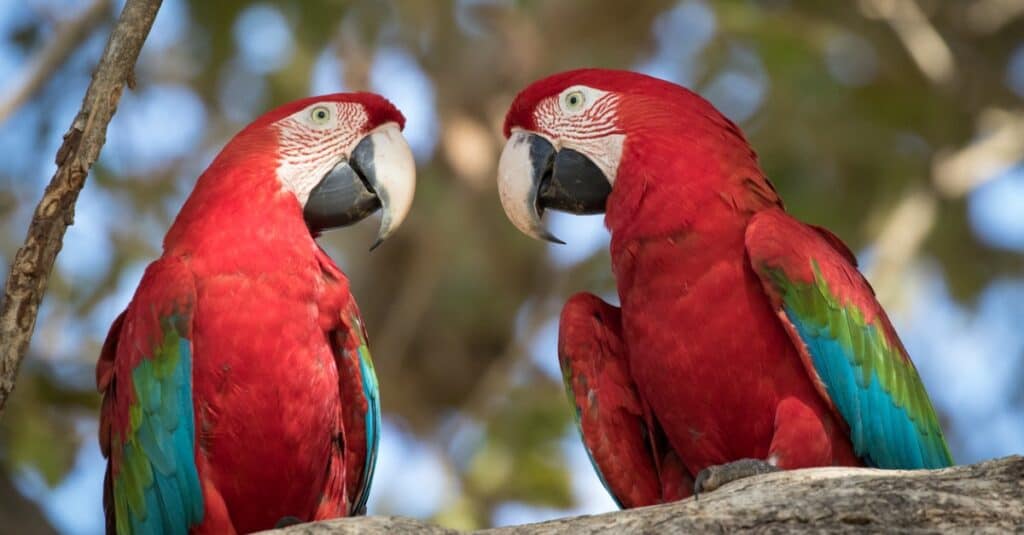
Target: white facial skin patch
[[584, 119], [314, 140]]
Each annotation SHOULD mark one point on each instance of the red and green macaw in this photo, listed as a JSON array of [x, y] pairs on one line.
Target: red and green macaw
[[746, 341], [237, 386]]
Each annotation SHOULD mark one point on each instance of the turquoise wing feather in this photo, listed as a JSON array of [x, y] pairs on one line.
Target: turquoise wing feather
[[847, 342], [373, 422], [147, 420], [351, 475]]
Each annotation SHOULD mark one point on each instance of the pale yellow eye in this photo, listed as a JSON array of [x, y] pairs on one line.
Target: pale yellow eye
[[575, 100], [320, 115]]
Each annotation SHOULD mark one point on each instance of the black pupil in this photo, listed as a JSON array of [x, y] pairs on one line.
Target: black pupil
[[574, 100], [321, 114]]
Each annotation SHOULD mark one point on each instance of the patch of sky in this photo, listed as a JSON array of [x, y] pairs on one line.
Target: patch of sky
[[264, 38], [466, 15], [241, 93], [740, 88], [1015, 71], [851, 59], [328, 74], [109, 307], [681, 33], [589, 494], [968, 359], [461, 436], [411, 478], [583, 236], [154, 126], [996, 210], [73, 506], [169, 28], [87, 253], [544, 349], [397, 76]]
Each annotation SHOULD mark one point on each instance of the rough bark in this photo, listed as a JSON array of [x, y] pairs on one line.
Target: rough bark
[[983, 497], [31, 268]]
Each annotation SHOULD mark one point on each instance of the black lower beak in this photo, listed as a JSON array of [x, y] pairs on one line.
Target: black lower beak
[[343, 196], [567, 180]]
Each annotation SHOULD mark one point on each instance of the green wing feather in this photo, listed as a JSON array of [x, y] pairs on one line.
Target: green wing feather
[[847, 342], [373, 416], [148, 427]]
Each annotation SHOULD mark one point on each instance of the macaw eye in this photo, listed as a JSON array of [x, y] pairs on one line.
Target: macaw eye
[[320, 115], [575, 100]]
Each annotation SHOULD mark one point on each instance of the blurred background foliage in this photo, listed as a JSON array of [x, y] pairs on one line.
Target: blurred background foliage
[[896, 123]]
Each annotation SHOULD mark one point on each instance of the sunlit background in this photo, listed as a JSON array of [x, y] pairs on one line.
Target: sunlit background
[[899, 124]]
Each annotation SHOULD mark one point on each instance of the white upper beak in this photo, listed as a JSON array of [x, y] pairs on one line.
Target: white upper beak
[[517, 186], [395, 177]]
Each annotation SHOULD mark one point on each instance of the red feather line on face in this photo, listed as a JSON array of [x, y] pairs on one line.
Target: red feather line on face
[[597, 121], [644, 105], [301, 144], [638, 86]]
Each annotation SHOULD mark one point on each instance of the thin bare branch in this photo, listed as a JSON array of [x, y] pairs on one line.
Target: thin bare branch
[[954, 175], [31, 268], [1000, 146], [899, 241], [923, 42], [988, 16], [69, 37]]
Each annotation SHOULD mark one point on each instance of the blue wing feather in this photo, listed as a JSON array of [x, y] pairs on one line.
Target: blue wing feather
[[373, 425], [166, 438], [882, 430], [846, 341], [148, 427]]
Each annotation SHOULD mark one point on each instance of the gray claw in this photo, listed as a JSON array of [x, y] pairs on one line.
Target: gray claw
[[715, 476]]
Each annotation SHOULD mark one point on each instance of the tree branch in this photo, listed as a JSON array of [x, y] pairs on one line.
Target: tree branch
[[955, 174], [69, 37], [923, 42], [30, 271], [985, 496]]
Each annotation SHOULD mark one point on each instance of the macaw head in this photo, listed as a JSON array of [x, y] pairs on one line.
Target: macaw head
[[341, 155], [577, 136]]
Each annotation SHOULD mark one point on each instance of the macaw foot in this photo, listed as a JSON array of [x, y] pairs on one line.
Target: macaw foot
[[715, 476], [287, 521]]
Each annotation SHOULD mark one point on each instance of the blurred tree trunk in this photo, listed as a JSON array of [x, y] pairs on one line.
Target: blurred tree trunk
[[20, 515], [984, 496], [31, 268]]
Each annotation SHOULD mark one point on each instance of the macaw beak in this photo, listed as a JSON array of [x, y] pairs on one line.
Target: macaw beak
[[534, 176], [380, 173]]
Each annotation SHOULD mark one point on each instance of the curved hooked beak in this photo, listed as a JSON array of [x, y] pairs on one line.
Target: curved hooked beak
[[534, 176], [380, 173]]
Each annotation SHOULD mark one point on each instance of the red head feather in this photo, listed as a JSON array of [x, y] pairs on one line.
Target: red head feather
[[379, 109], [242, 178], [650, 103], [680, 152]]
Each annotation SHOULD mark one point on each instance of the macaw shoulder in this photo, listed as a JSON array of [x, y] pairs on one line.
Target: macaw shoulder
[[336, 296], [803, 253], [165, 293], [776, 235], [168, 287], [164, 279]]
